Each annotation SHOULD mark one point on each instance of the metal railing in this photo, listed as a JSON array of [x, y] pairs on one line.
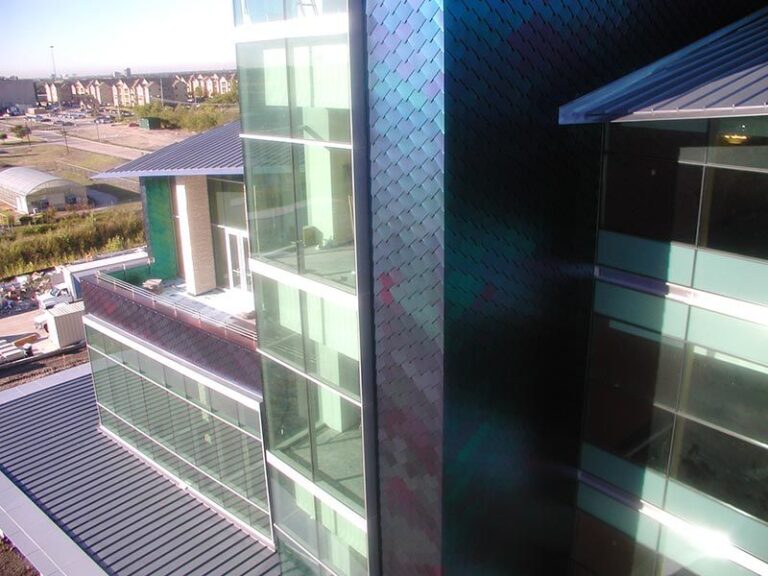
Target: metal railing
[[195, 317]]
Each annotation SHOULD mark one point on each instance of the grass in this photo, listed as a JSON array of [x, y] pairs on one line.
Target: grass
[[48, 158], [59, 240]]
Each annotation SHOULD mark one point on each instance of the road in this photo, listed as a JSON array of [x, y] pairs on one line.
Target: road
[[54, 137]]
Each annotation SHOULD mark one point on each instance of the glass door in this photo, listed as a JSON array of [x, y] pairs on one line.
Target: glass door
[[237, 261]]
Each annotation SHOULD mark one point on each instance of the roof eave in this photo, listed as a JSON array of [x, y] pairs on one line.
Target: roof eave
[[225, 171]]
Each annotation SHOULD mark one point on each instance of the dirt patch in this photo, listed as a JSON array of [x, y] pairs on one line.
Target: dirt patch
[[12, 563], [17, 375]]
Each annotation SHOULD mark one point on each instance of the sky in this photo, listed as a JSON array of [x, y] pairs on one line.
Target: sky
[[98, 37]]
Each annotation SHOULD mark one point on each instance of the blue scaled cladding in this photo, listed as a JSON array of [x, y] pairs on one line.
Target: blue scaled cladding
[[405, 66]]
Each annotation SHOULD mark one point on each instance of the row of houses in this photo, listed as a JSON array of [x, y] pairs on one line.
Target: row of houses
[[139, 90]]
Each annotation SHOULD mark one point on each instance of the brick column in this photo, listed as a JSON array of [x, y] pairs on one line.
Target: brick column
[[195, 233]]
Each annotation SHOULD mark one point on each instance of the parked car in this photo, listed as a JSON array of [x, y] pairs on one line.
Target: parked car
[[103, 120], [57, 295]]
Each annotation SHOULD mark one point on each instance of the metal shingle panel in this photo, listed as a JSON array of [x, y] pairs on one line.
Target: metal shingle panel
[[124, 514], [724, 74]]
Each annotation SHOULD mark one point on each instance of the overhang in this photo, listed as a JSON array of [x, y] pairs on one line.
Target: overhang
[[218, 152], [723, 74]]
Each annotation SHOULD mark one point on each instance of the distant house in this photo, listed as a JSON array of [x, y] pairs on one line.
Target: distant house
[[60, 92], [101, 91]]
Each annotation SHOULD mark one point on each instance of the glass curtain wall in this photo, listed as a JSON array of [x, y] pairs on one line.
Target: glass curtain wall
[[296, 118], [199, 435], [676, 393]]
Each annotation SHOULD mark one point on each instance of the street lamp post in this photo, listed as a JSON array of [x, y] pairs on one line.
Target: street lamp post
[[53, 62]]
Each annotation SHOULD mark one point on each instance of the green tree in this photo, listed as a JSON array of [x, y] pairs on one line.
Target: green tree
[[21, 131], [3, 136]]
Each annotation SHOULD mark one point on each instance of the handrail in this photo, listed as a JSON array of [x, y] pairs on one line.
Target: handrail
[[137, 294]]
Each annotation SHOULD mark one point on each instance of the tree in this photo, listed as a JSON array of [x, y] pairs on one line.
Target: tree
[[3, 136], [21, 131]]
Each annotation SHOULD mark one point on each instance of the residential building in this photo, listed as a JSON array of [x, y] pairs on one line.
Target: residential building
[[15, 92], [419, 260], [101, 92]]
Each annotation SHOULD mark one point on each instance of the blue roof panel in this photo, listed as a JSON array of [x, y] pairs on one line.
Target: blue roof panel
[[723, 74]]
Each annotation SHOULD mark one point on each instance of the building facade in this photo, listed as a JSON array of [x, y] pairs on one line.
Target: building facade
[[419, 247]]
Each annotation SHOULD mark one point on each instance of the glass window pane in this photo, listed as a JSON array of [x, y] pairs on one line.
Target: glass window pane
[[640, 363], [197, 393], [263, 77], [332, 344], [223, 406], [262, 10], [735, 212], [343, 546], [722, 466], [303, 9], [226, 197], [651, 198], [634, 374], [94, 338], [249, 419], [294, 510], [338, 446], [220, 262], [279, 321], [113, 348], [325, 213], [727, 391], [320, 88], [174, 381], [272, 204], [740, 142], [287, 415], [152, 370], [674, 140], [602, 550]]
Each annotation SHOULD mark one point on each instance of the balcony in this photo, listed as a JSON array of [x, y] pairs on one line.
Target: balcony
[[213, 331]]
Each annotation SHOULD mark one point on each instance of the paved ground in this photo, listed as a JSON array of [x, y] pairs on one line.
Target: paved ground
[[118, 140], [17, 326]]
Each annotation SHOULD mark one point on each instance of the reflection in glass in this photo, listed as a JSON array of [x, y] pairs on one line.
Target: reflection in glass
[[602, 550], [674, 140], [725, 467], [262, 10], [226, 197], [735, 212], [728, 392], [263, 81], [279, 319], [294, 510], [287, 404], [302, 220], [320, 89], [651, 198], [338, 448], [633, 379], [228, 456]]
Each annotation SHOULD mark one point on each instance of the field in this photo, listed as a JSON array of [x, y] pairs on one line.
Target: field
[[53, 158], [58, 239]]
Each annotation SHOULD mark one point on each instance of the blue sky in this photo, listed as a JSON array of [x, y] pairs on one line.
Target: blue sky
[[101, 36]]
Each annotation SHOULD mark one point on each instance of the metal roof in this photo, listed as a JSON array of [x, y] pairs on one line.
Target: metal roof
[[723, 74], [124, 514], [216, 152], [24, 181]]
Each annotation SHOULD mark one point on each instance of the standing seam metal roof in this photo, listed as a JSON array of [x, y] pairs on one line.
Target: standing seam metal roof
[[124, 514], [216, 152], [723, 74]]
